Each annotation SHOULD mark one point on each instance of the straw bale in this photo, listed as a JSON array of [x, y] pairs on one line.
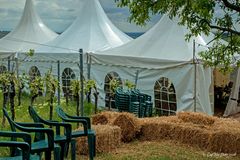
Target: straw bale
[[196, 118], [155, 131], [226, 124], [190, 134], [224, 142], [172, 119], [106, 117], [129, 125], [108, 138], [215, 135], [99, 119]]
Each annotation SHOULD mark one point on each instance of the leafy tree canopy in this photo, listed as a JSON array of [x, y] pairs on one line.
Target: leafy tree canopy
[[200, 16]]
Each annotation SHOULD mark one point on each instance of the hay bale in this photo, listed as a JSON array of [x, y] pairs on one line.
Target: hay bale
[[129, 125], [99, 119], [224, 142], [190, 134], [157, 128], [196, 118], [209, 133], [155, 131], [106, 117], [108, 138]]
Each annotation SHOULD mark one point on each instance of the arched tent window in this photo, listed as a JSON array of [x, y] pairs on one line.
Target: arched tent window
[[34, 72], [67, 76], [108, 78], [165, 97], [3, 69]]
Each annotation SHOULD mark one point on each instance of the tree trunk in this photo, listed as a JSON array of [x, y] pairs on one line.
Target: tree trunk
[[89, 96], [20, 96], [12, 106], [78, 104], [33, 99], [96, 102], [5, 99], [12, 94], [77, 98], [51, 108], [67, 97]]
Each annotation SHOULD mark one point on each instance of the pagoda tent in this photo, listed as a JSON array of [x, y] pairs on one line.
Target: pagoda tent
[[161, 53], [29, 32], [91, 31]]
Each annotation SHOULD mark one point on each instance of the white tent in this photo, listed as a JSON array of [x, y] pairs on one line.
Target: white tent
[[29, 32], [91, 31], [161, 52]]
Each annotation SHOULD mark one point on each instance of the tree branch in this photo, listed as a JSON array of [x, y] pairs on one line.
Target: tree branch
[[231, 5], [224, 29]]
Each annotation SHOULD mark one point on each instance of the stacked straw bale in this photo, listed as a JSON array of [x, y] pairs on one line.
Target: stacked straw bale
[[196, 118], [196, 129], [108, 138], [106, 117], [128, 123]]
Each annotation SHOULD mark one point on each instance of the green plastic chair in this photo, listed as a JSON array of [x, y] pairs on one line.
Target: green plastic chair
[[87, 131], [62, 140], [24, 146], [40, 144]]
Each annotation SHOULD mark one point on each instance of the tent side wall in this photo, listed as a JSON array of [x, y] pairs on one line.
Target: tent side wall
[[182, 77]]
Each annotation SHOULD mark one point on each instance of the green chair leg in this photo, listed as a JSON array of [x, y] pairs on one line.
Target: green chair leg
[[56, 153], [73, 149]]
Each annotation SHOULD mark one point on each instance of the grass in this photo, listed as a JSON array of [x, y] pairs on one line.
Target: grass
[[137, 150], [162, 150]]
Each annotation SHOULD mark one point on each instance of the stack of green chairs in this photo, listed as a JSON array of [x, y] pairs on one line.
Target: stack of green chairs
[[148, 109], [134, 101], [122, 100], [134, 104], [147, 105]]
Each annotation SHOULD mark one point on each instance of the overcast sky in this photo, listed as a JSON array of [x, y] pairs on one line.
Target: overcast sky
[[59, 14]]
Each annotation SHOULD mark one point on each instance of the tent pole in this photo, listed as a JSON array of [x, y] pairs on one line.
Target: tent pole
[[89, 61], [17, 67], [195, 76], [58, 69], [81, 80], [136, 78], [9, 64]]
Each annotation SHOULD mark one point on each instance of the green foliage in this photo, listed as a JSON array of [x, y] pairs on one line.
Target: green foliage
[[51, 84], [75, 87], [5, 79], [129, 84], [36, 86], [30, 52], [200, 16], [114, 84], [88, 85]]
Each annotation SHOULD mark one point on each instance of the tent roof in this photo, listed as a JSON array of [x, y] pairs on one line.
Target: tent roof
[[29, 32], [165, 41], [91, 31]]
